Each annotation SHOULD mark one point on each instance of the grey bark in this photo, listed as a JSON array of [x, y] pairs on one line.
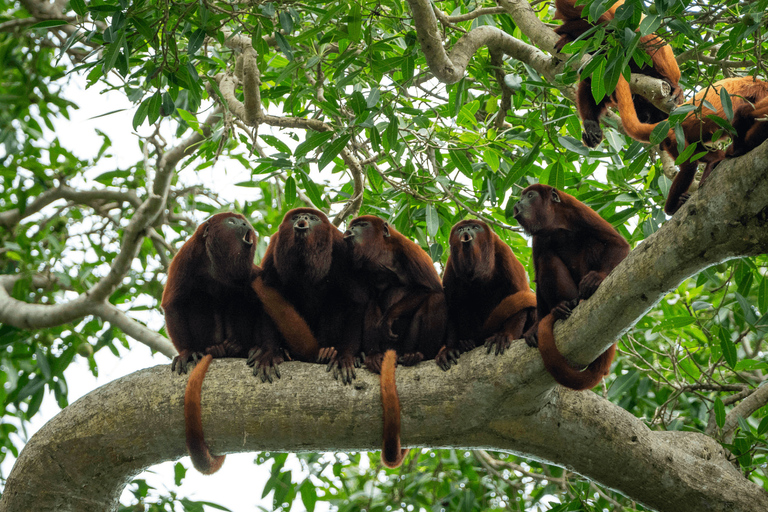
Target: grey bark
[[82, 459]]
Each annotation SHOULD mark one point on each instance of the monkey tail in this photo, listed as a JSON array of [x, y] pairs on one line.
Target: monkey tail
[[391, 454], [292, 326], [511, 305], [198, 449], [630, 122], [559, 367]]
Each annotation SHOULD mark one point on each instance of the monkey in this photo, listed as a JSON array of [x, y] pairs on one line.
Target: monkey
[[307, 262], [633, 109], [486, 288], [574, 250], [749, 102], [210, 311], [406, 314]]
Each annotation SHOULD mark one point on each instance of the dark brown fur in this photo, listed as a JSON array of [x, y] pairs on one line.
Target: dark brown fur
[[574, 250], [307, 262], [489, 299], [406, 311]]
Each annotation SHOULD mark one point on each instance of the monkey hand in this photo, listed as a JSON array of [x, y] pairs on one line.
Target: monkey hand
[[532, 336], [592, 134], [265, 363], [343, 367], [225, 349], [326, 354], [410, 359], [447, 357], [181, 362], [589, 283], [373, 362], [500, 342]]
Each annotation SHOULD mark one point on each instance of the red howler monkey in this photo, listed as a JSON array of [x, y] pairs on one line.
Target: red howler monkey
[[574, 250], [486, 288], [307, 262], [406, 313], [749, 98], [210, 311], [635, 109]]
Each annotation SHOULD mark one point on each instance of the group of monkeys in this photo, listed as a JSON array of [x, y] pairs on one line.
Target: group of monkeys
[[371, 296]]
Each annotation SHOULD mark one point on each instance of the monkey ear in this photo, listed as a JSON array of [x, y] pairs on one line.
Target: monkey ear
[[386, 230], [555, 197], [205, 231]]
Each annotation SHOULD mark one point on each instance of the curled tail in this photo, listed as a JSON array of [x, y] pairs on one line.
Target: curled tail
[[630, 122], [292, 326], [198, 449], [391, 454], [559, 367]]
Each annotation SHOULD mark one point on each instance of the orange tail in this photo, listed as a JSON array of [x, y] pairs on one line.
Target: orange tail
[[298, 336], [559, 367], [391, 454], [198, 449], [630, 122], [508, 307]]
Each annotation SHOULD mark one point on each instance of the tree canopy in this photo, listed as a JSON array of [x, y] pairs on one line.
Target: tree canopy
[[424, 113]]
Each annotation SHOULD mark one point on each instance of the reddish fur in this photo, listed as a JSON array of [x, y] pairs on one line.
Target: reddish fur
[[749, 98], [391, 453], [307, 262], [634, 111], [406, 310], [196, 445], [574, 250], [210, 309], [489, 299]]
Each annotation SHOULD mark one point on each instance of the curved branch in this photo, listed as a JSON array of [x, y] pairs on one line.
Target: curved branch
[[79, 461], [745, 409]]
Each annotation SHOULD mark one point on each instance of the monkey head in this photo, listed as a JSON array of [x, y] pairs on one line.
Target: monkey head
[[230, 245], [367, 238], [538, 209], [472, 250]]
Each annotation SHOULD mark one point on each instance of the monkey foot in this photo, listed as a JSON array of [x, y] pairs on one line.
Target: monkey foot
[[182, 362], [225, 349], [592, 134], [497, 344], [411, 358], [265, 364], [467, 345], [447, 357], [531, 338], [373, 363], [564, 309], [343, 368]]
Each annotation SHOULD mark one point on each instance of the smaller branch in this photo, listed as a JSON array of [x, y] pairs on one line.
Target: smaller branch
[[449, 20], [133, 328], [744, 410], [356, 201]]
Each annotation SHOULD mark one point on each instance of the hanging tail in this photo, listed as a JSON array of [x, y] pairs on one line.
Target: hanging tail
[[391, 453], [198, 449]]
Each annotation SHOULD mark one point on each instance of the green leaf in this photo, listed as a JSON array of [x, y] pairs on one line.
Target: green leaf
[[286, 22], [312, 191], [284, 46], [153, 111], [729, 351], [725, 101], [48, 24], [141, 113], [460, 160], [649, 24], [314, 140], [195, 41], [719, 412], [333, 149], [308, 495], [78, 6], [762, 295], [179, 472], [598, 81], [433, 221], [290, 191], [354, 28]]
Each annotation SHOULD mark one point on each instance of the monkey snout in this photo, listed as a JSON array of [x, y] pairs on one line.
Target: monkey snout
[[248, 237], [466, 237], [516, 210], [348, 234], [301, 225]]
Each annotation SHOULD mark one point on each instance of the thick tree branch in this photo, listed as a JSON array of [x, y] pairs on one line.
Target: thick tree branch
[[79, 461], [745, 409]]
